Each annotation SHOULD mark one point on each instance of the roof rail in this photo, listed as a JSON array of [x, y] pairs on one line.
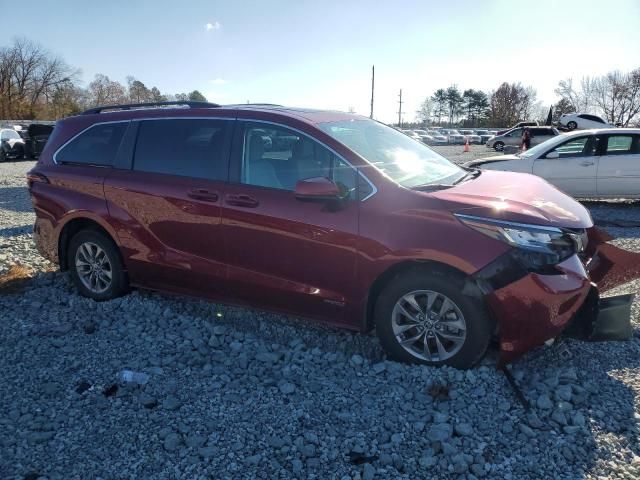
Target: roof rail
[[131, 106]]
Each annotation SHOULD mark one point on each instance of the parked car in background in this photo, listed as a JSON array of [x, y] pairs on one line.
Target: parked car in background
[[453, 136], [602, 163], [582, 121], [514, 137], [471, 136], [412, 134], [11, 145], [517, 125], [351, 223], [438, 138], [485, 135], [35, 136]]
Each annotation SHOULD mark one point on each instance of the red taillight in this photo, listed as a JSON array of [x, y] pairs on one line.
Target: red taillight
[[33, 177]]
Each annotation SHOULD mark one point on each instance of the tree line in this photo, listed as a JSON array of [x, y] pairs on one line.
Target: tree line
[[615, 96], [36, 84]]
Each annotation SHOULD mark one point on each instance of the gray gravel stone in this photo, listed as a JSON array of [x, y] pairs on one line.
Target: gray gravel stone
[[439, 432], [172, 442]]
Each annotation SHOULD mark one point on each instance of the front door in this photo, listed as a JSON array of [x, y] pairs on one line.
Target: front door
[[283, 253], [574, 168], [167, 206]]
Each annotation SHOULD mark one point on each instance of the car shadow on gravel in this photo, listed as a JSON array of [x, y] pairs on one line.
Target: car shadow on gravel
[[15, 199], [14, 231]]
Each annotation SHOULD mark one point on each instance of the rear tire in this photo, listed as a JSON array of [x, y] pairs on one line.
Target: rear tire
[[498, 146], [458, 336], [572, 125], [95, 266]]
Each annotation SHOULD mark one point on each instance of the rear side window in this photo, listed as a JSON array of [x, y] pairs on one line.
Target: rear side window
[[97, 145], [189, 148], [621, 144]]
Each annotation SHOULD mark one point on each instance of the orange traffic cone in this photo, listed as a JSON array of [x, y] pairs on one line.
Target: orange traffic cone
[[466, 146]]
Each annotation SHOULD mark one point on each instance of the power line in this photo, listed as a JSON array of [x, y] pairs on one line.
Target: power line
[[373, 77]]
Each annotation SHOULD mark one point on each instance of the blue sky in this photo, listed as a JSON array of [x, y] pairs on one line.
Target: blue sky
[[319, 53]]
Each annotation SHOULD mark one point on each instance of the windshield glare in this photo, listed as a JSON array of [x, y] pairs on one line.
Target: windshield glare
[[399, 157]]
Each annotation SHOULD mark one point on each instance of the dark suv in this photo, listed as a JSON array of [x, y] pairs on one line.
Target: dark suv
[[318, 214]]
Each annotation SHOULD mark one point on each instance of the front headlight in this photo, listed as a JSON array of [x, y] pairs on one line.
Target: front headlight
[[541, 245]]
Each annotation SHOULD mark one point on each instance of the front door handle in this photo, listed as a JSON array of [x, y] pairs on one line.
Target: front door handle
[[203, 195], [586, 163], [242, 200]]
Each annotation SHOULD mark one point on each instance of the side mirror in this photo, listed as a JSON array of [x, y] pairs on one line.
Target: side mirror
[[552, 155], [317, 189]]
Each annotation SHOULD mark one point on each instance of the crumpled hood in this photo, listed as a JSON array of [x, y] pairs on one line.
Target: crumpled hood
[[515, 197]]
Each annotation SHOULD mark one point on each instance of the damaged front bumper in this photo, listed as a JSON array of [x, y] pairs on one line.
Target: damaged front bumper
[[533, 307]]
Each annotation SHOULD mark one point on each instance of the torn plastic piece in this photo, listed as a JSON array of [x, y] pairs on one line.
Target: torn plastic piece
[[602, 319], [610, 266]]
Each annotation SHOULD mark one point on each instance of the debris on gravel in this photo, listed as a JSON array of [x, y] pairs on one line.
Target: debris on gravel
[[239, 393]]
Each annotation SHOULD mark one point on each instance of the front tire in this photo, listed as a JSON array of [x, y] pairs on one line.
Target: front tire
[[95, 266], [498, 146], [423, 317], [572, 125]]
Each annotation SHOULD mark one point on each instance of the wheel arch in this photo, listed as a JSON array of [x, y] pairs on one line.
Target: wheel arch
[[401, 267], [76, 224]]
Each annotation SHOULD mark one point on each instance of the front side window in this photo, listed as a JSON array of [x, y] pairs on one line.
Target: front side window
[[578, 147], [97, 145], [277, 157], [400, 158], [183, 147], [619, 144]]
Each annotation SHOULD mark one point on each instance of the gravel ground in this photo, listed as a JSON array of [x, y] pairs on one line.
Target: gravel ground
[[235, 393]]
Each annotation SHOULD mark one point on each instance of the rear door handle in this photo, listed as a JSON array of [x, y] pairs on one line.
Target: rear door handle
[[242, 200], [203, 195], [586, 163]]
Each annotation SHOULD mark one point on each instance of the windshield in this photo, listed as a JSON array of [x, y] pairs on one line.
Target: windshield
[[402, 159]]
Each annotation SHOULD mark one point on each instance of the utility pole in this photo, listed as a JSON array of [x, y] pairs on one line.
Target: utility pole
[[373, 77], [400, 110]]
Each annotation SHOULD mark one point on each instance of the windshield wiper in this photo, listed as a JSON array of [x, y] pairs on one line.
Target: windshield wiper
[[428, 187], [470, 174]]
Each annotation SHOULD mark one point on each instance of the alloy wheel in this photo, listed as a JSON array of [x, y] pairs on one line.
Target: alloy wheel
[[93, 267], [428, 325]]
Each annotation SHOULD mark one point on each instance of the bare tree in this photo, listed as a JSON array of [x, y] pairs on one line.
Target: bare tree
[[104, 91], [580, 99], [29, 75], [424, 112], [511, 103], [617, 95]]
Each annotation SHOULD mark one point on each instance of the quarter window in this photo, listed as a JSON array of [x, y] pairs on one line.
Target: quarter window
[[277, 157], [97, 145], [184, 147]]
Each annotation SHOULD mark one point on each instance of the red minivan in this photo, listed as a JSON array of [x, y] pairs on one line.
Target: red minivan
[[316, 214]]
